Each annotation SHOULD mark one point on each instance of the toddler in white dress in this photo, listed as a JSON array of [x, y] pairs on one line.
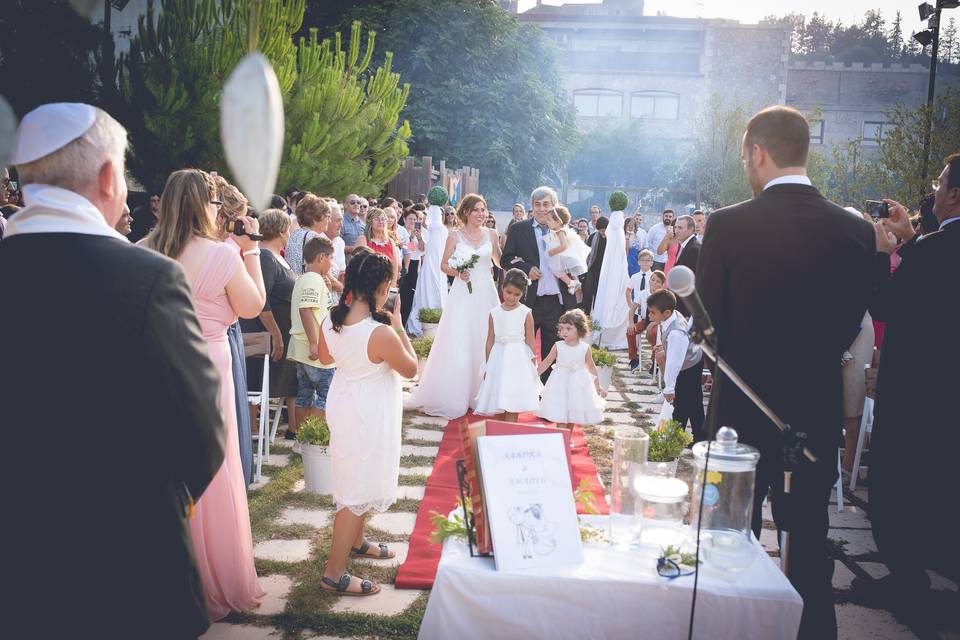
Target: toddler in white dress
[[510, 383], [573, 394], [566, 251]]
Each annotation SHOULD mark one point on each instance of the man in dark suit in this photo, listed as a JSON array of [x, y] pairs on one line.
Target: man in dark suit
[[525, 250], [685, 229], [105, 365], [598, 246], [761, 274], [915, 435]]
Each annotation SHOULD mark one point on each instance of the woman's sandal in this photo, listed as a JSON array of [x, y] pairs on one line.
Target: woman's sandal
[[367, 588], [361, 552]]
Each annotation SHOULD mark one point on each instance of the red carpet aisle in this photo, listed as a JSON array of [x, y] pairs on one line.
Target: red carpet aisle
[[441, 494]]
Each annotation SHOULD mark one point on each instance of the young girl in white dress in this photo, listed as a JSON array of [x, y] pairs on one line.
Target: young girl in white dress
[[511, 383], [573, 394], [565, 249]]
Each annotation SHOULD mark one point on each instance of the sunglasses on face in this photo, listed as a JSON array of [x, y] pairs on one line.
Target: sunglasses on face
[[217, 204], [354, 202], [364, 206]]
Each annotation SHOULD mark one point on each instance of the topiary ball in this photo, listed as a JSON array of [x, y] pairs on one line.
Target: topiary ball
[[618, 201], [437, 196]]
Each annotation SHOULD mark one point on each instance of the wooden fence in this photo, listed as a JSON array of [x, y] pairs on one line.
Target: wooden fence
[[415, 179]]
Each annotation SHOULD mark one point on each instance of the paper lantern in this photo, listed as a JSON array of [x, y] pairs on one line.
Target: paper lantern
[[251, 128]]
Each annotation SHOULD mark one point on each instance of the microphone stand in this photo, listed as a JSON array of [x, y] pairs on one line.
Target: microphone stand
[[794, 441]]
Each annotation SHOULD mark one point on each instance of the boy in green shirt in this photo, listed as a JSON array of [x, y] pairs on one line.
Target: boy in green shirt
[[310, 304]]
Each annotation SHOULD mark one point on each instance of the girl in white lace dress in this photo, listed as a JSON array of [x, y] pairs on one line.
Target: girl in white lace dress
[[364, 412], [565, 249], [510, 383], [573, 394]]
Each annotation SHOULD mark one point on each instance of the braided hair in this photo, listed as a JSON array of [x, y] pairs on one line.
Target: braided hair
[[366, 272]]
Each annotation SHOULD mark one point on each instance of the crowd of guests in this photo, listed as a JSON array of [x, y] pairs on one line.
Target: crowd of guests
[[332, 282]]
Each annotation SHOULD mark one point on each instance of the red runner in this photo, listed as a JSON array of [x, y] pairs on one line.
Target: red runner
[[441, 494]]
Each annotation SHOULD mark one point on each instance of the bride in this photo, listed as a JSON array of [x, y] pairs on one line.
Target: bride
[[453, 372]]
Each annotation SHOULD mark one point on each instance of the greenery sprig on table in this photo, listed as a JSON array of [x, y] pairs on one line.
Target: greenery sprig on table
[[314, 430], [431, 315], [667, 444], [421, 347], [437, 196], [618, 201], [602, 357]]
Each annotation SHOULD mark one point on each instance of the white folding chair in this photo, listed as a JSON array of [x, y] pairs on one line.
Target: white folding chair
[[258, 345], [866, 426]]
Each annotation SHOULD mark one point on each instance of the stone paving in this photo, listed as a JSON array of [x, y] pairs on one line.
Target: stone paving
[[292, 531]]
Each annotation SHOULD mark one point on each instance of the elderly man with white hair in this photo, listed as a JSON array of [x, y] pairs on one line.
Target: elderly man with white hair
[[526, 250], [131, 416]]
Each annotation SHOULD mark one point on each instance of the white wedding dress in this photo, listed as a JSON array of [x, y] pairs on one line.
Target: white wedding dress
[[452, 375], [610, 305], [431, 291]]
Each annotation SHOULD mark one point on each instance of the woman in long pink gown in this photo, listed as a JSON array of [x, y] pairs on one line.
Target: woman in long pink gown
[[220, 527]]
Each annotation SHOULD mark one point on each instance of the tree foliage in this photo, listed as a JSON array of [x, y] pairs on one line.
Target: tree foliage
[[341, 115], [622, 154], [487, 90]]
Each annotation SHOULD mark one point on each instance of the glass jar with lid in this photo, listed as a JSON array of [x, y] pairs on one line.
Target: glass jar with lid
[[725, 537], [661, 503]]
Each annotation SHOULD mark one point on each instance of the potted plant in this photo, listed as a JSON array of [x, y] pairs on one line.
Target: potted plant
[[604, 361], [421, 346], [429, 321], [596, 331], [314, 438], [665, 448]]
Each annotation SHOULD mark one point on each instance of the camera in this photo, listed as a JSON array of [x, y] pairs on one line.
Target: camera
[[238, 230], [390, 304], [877, 209]]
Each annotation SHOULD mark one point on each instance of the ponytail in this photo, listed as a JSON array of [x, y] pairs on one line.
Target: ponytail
[[366, 272]]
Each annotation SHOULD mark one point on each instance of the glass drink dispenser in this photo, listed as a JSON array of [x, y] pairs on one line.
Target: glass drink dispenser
[[725, 537]]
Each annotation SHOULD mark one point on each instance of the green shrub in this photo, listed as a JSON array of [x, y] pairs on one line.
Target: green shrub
[[421, 346], [668, 444], [618, 201], [602, 357], [430, 315], [437, 196], [314, 430], [595, 324]]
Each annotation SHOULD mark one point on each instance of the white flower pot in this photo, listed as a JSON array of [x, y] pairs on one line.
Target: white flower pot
[[317, 469], [429, 329], [605, 376], [664, 469]]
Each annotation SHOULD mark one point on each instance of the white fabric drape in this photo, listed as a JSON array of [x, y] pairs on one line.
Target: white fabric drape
[[610, 305], [431, 290]]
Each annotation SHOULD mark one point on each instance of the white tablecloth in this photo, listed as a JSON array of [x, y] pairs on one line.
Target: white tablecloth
[[614, 594]]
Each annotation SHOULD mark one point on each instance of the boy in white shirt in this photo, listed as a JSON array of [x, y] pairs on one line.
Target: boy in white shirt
[[637, 291], [683, 364]]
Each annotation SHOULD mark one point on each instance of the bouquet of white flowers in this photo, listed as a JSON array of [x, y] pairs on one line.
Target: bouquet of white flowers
[[463, 260]]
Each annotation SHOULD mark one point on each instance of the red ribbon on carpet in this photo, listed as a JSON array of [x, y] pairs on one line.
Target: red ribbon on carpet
[[442, 492]]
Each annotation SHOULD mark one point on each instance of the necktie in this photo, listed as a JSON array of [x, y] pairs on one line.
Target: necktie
[[643, 281]]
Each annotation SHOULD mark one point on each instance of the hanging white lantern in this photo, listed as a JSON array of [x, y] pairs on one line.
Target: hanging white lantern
[[251, 127]]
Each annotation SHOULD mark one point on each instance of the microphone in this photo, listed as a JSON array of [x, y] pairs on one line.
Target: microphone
[[681, 281]]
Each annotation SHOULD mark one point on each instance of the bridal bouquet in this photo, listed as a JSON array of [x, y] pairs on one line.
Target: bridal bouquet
[[462, 261]]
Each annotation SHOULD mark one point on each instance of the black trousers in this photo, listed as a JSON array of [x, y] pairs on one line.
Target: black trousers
[[407, 288], [688, 403], [546, 313], [804, 514]]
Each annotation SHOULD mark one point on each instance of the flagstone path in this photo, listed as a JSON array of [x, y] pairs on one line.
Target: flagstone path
[[292, 532]]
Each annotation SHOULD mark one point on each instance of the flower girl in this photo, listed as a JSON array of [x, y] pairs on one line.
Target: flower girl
[[566, 251], [573, 394], [510, 384]]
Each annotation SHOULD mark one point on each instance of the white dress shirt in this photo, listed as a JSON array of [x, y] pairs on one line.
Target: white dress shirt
[[949, 221], [683, 245], [654, 237], [677, 344], [55, 210], [791, 179], [547, 285]]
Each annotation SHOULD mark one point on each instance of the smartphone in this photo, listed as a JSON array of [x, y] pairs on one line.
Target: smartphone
[[877, 209], [391, 302], [419, 227]]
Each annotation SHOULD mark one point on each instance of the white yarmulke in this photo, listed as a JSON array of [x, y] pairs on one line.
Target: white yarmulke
[[50, 127]]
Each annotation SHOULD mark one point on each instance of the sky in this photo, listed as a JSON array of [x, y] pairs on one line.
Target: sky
[[750, 11]]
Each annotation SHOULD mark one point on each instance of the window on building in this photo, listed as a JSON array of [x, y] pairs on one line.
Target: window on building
[[598, 103], [655, 105], [816, 132], [874, 132]]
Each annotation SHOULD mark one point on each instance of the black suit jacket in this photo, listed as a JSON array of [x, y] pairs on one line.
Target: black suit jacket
[[688, 257], [916, 420], [522, 251], [106, 375], [786, 278]]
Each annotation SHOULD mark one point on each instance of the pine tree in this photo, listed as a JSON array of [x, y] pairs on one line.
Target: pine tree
[[341, 117], [949, 47], [895, 48]]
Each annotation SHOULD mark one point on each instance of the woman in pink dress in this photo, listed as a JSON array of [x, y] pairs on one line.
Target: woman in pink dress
[[225, 284]]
